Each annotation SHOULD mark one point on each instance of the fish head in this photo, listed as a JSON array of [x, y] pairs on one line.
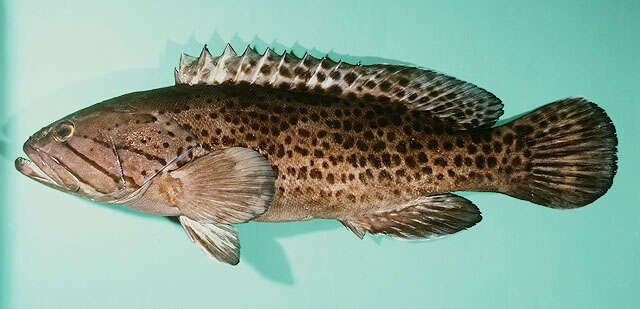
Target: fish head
[[77, 154], [108, 151]]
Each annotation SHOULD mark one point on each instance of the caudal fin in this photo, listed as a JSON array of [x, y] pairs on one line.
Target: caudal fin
[[564, 154]]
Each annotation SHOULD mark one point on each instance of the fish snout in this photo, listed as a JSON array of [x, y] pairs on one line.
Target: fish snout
[[30, 168]]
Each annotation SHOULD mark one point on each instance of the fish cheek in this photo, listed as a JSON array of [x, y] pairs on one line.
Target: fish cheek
[[82, 160]]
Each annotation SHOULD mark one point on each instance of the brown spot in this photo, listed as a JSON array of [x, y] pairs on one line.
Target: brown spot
[[348, 143], [304, 133], [352, 159], [457, 160], [375, 161], [523, 129], [384, 175], [350, 78], [480, 161], [432, 144], [385, 85], [422, 157], [486, 149], [410, 161], [330, 178], [379, 146], [516, 161], [472, 149], [508, 139], [300, 150], [440, 162], [492, 162], [386, 159], [370, 84], [302, 173], [497, 147]]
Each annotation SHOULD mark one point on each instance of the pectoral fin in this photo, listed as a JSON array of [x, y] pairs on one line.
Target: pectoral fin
[[218, 241], [228, 186]]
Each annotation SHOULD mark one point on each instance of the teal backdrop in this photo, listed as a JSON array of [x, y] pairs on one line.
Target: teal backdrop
[[59, 251]]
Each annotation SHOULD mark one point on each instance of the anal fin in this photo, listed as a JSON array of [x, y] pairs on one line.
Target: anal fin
[[359, 233], [425, 217], [218, 241]]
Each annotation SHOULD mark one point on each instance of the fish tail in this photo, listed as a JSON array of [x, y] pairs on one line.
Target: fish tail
[[563, 155]]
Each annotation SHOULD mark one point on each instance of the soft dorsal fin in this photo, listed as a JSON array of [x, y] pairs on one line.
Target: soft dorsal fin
[[460, 104]]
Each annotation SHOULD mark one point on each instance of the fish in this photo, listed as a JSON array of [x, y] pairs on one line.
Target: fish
[[275, 138]]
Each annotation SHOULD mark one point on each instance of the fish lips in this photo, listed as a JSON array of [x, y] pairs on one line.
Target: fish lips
[[38, 168]]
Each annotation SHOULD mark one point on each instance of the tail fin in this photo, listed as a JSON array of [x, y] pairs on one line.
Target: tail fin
[[568, 151]]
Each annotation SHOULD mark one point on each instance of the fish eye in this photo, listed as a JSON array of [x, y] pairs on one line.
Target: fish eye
[[63, 131]]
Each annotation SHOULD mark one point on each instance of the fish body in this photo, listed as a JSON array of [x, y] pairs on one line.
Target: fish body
[[276, 138]]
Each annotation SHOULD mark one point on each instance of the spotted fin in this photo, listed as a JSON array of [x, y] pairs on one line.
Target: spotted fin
[[228, 186], [426, 217], [460, 104], [218, 241], [564, 154]]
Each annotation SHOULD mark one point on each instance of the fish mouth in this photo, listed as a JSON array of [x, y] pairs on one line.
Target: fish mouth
[[37, 168]]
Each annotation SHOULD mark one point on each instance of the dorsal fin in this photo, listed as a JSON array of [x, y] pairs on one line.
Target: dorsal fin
[[460, 104]]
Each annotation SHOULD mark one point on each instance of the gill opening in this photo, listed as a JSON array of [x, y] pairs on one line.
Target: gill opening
[[137, 194]]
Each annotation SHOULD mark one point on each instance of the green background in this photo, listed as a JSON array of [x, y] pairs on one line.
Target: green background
[[59, 251]]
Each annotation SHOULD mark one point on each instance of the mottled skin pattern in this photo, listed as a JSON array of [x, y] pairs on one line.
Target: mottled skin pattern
[[332, 158]]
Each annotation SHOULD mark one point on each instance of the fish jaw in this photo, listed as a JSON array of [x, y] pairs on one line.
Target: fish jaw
[[29, 168]]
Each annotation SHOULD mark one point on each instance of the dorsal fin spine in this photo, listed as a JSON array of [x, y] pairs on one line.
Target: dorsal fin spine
[[313, 79], [276, 71], [176, 76], [220, 70], [242, 59], [204, 62], [300, 63]]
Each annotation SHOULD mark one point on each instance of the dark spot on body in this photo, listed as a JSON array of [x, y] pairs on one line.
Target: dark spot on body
[[457, 160], [440, 162], [472, 149]]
